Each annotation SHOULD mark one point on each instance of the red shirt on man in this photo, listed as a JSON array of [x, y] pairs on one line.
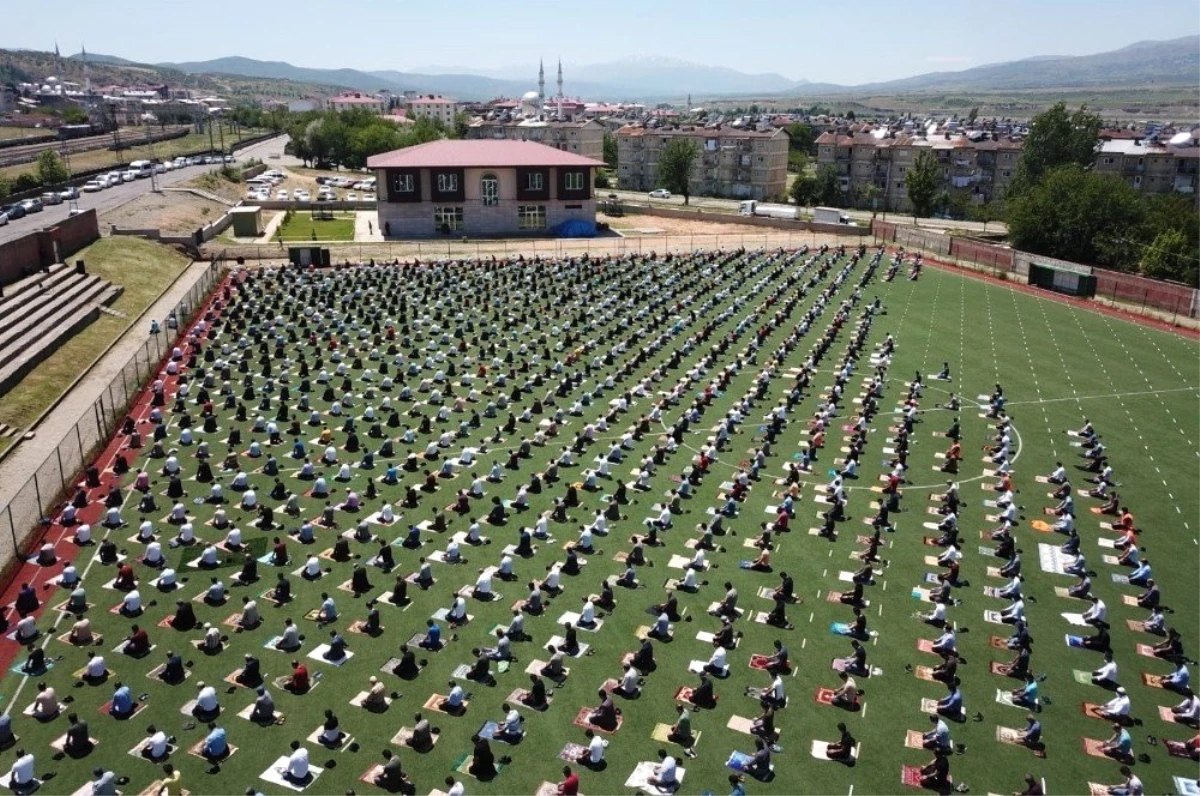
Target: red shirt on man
[[570, 785]]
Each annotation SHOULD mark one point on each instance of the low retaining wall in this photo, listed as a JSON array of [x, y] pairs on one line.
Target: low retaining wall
[[44, 247], [200, 236]]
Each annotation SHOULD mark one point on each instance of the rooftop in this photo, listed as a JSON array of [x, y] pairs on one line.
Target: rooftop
[[699, 132], [447, 153], [354, 100]]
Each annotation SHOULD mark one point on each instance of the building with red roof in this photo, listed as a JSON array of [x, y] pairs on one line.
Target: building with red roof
[[357, 100], [484, 188]]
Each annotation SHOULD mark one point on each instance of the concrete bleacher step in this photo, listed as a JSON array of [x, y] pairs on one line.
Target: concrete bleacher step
[[47, 331], [18, 293], [45, 341], [73, 291]]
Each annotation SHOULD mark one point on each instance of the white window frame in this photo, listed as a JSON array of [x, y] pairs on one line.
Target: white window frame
[[489, 190], [450, 216], [535, 181], [403, 183], [573, 180], [447, 182], [531, 217]]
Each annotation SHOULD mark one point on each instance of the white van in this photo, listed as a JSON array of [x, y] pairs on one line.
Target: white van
[[143, 168]]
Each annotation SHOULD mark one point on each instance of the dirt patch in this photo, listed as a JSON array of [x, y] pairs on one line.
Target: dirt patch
[[685, 233], [172, 212]]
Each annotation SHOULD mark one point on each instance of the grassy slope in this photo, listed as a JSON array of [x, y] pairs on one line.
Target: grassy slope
[[982, 331], [144, 269]]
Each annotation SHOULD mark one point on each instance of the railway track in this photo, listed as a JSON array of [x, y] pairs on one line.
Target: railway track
[[17, 155]]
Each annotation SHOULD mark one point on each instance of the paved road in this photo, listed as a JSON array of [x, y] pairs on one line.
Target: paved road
[[731, 205], [114, 197]]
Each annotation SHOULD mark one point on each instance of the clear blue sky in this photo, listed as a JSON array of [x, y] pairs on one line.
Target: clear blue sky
[[856, 42]]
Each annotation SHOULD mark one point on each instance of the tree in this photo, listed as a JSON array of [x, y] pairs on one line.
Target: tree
[[801, 138], [804, 190], [922, 181], [676, 162], [74, 115], [871, 194], [1056, 138], [973, 115], [610, 150], [1171, 256], [50, 168], [797, 161], [5, 187], [1079, 215], [986, 212], [827, 186], [461, 125]]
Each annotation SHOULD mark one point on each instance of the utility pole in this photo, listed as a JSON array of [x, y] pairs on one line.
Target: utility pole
[[211, 145], [221, 130], [116, 133]]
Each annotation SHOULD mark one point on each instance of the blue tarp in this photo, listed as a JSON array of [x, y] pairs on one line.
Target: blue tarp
[[576, 228]]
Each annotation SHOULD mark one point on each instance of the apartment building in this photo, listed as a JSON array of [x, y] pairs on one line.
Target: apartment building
[[977, 163], [355, 100], [584, 138], [433, 107], [733, 162], [1150, 166]]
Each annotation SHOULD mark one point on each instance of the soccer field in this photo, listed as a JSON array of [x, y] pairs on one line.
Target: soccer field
[[562, 346]]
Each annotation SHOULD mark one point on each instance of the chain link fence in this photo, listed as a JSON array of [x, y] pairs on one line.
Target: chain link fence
[[53, 481], [455, 248]]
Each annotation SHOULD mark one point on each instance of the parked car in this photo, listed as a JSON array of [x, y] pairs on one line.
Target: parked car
[[3, 219], [15, 211], [52, 198], [368, 197], [70, 193], [92, 186], [128, 176], [229, 158], [352, 197], [281, 194], [660, 193], [33, 205], [303, 196]]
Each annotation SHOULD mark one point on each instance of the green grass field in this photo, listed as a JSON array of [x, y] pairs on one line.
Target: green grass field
[[302, 226], [1058, 364]]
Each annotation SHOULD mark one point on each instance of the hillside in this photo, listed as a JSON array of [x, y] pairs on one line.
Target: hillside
[[18, 66], [1175, 62], [1160, 64]]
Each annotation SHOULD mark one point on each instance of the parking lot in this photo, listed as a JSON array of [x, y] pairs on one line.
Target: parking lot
[[285, 184]]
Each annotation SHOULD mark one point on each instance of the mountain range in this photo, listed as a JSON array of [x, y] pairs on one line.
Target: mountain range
[[1173, 62]]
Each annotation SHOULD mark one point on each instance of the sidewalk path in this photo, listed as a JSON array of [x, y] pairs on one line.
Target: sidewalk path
[[29, 454], [366, 227]]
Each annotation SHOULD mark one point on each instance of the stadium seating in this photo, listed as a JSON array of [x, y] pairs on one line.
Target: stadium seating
[[39, 313]]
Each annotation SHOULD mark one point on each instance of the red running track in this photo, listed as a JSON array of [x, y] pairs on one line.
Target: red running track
[[62, 537]]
